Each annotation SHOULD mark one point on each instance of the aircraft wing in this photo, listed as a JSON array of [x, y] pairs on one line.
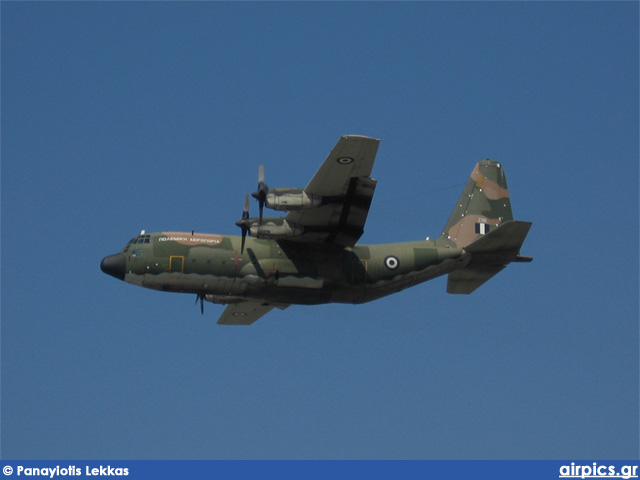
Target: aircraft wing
[[245, 313], [347, 189]]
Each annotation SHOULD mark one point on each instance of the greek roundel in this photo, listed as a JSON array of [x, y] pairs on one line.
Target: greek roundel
[[391, 262]]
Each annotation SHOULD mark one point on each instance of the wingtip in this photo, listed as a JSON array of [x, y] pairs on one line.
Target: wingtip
[[363, 137]]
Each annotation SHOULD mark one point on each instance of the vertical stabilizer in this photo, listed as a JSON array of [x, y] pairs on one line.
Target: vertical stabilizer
[[482, 207]]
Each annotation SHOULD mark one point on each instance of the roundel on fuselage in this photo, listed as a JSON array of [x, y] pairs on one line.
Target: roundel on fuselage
[[391, 262]]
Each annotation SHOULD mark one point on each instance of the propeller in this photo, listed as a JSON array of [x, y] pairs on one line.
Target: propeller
[[201, 298], [261, 193], [243, 223]]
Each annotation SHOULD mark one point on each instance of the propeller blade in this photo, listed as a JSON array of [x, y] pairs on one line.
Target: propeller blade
[[245, 211], [261, 193], [242, 223], [200, 296], [244, 238], [260, 175]]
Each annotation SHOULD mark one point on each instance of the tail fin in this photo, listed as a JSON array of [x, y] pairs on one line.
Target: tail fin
[[483, 206], [482, 224]]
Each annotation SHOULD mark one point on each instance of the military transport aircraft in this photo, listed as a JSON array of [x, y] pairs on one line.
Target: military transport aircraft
[[310, 256]]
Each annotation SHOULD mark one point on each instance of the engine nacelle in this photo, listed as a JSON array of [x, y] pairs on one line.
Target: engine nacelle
[[275, 228], [291, 199]]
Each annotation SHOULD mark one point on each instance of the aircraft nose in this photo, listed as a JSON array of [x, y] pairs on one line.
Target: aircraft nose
[[114, 265]]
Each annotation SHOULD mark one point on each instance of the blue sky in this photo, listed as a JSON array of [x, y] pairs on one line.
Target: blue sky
[[118, 117]]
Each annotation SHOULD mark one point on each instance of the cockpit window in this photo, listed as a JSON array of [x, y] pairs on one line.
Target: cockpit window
[[137, 240], [142, 239]]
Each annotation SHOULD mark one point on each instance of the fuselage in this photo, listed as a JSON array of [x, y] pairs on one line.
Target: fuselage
[[287, 272]]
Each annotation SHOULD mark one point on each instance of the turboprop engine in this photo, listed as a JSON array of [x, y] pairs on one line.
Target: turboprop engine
[[282, 199], [272, 228], [275, 228], [285, 199]]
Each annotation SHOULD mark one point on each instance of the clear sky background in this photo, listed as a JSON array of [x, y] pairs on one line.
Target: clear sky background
[[118, 117]]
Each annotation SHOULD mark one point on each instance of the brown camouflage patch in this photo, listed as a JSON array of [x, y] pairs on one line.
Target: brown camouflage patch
[[491, 189]]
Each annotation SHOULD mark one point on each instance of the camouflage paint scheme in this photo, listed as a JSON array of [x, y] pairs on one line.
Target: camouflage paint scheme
[[318, 260]]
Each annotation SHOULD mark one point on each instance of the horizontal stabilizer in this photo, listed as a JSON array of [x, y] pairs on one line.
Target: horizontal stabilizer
[[489, 255], [508, 236], [468, 279]]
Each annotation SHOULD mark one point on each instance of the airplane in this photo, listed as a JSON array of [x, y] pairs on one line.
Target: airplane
[[311, 255]]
